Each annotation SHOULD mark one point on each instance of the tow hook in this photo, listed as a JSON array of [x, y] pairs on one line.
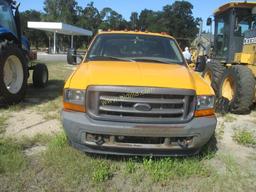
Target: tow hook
[[99, 141], [183, 144]]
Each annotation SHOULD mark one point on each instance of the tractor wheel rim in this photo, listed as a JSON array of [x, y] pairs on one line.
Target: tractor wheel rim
[[13, 74], [228, 89], [208, 77]]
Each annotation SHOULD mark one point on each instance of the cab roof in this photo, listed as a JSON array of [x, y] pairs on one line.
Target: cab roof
[[163, 34], [230, 5]]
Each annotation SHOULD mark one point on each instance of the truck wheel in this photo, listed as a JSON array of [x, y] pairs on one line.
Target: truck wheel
[[213, 73], [13, 74], [40, 75], [238, 86]]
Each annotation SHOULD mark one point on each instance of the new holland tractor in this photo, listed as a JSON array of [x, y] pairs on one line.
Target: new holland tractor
[[232, 70], [15, 57]]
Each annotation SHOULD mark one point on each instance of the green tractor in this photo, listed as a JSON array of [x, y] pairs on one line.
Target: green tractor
[[15, 57], [232, 70]]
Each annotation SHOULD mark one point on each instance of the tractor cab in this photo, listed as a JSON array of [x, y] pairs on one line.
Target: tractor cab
[[10, 19], [232, 23], [7, 19]]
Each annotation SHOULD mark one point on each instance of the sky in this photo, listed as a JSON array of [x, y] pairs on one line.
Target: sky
[[202, 8]]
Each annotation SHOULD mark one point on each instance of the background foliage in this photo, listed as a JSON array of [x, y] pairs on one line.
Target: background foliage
[[176, 19]]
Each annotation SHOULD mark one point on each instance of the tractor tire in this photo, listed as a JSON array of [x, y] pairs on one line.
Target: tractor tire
[[212, 74], [238, 85], [13, 74], [40, 75]]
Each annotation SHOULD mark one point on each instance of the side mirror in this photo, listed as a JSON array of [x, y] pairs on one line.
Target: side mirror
[[72, 57], [209, 21]]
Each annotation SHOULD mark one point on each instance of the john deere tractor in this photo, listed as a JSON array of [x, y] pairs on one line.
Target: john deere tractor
[[232, 70], [15, 57]]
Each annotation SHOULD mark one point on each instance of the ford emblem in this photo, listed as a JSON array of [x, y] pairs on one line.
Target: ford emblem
[[142, 107]]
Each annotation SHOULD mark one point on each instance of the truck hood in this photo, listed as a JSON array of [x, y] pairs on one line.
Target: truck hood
[[133, 74]]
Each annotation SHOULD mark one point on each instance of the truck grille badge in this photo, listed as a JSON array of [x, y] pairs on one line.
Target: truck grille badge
[[142, 107]]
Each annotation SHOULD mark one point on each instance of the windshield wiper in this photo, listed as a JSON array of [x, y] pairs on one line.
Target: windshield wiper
[[102, 58], [150, 60]]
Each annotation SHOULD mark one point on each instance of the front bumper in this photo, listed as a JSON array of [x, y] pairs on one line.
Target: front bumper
[[105, 137]]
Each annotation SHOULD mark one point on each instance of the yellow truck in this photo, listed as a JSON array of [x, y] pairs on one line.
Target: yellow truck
[[134, 94]]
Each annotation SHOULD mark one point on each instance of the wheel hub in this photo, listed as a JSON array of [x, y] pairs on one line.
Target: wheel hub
[[228, 89], [13, 74]]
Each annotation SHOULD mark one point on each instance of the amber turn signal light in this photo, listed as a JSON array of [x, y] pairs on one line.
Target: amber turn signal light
[[204, 112]]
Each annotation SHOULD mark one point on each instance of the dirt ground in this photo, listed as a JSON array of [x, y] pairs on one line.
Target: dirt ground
[[39, 117]]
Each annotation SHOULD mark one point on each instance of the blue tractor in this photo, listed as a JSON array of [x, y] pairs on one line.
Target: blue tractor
[[15, 57]]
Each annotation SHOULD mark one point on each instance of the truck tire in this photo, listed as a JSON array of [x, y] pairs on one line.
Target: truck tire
[[238, 86], [212, 74], [13, 74], [40, 75]]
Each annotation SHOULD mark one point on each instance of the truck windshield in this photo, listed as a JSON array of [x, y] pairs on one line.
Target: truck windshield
[[133, 47], [6, 17]]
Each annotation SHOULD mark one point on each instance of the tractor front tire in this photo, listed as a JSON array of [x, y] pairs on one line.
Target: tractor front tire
[[40, 75], [212, 74], [13, 74], [238, 86]]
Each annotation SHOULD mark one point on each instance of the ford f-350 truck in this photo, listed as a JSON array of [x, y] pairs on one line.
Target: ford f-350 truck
[[134, 94]]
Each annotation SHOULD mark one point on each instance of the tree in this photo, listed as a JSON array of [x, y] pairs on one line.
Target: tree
[[134, 20], [176, 19], [112, 20], [60, 10], [37, 38], [179, 20], [89, 17], [151, 21]]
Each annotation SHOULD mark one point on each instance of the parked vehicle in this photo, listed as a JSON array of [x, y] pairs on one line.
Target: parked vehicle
[[15, 57], [232, 70], [134, 94]]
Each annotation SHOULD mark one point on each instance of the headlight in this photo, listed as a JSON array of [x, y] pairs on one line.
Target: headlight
[[205, 102], [74, 99]]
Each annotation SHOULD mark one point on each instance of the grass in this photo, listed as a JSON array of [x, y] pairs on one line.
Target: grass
[[40, 139], [220, 131], [173, 168], [244, 137], [67, 165], [101, 171], [229, 118], [11, 157], [3, 119], [130, 166], [63, 167]]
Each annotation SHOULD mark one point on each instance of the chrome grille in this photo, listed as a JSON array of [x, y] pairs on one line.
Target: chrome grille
[[140, 104]]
